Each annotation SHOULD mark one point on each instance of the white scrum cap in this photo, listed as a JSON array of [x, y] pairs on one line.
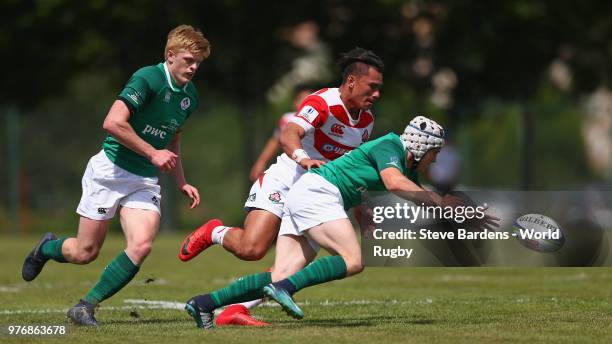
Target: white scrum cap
[[421, 135]]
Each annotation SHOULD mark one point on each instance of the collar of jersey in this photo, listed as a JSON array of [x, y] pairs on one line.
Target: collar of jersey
[[170, 80], [352, 121]]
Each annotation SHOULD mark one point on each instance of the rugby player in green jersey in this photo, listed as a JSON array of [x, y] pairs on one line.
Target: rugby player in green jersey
[[316, 207], [144, 137]]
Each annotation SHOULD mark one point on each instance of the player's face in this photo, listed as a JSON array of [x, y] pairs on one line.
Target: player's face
[[428, 159], [183, 65], [366, 88]]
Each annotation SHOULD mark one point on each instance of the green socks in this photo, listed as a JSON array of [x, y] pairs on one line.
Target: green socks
[[116, 275], [250, 287], [322, 270], [53, 250], [243, 289]]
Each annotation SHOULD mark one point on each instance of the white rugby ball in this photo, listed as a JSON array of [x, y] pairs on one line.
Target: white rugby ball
[[538, 232]]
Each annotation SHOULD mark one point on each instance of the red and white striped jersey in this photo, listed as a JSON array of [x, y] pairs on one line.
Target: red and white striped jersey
[[330, 130]]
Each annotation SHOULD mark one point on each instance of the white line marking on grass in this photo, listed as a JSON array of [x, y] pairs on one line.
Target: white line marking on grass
[[463, 278], [176, 305], [65, 310], [160, 304], [4, 289], [326, 303]]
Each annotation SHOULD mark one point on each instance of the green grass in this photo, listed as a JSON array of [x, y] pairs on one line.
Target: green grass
[[384, 305]]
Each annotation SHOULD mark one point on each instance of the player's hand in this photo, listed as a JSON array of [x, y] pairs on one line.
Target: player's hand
[[451, 201], [191, 192], [307, 164], [164, 159], [488, 222]]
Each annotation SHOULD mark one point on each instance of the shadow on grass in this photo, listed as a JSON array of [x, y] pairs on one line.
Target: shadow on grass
[[346, 322], [355, 322]]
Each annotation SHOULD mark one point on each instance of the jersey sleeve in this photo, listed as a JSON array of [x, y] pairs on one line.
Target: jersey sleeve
[[386, 154], [136, 93], [311, 114]]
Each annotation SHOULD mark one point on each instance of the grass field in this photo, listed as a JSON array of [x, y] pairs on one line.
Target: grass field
[[384, 305]]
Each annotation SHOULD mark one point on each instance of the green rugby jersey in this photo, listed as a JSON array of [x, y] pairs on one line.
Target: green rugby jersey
[[358, 170], [158, 108]]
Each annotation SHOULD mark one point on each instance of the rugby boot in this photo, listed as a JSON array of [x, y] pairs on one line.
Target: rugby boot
[[34, 262], [238, 315], [83, 314], [198, 240], [284, 299], [202, 318]]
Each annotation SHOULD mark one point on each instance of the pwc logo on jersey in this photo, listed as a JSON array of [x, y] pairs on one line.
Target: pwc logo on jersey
[[337, 130], [308, 113], [152, 131]]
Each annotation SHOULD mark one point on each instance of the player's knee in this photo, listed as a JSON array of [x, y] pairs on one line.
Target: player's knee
[[140, 251], [86, 255], [252, 252]]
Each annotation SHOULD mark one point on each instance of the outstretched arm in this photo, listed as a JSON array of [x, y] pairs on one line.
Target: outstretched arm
[[291, 142], [397, 183], [405, 188]]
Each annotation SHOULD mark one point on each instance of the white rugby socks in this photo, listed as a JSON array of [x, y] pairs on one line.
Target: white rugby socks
[[251, 304], [218, 233]]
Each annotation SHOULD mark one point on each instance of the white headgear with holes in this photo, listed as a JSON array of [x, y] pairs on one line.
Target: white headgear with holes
[[421, 135]]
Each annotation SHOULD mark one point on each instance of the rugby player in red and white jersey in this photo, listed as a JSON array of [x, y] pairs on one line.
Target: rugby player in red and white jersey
[[272, 147], [329, 123]]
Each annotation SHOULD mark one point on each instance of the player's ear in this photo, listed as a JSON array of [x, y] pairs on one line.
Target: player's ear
[[170, 56], [350, 80]]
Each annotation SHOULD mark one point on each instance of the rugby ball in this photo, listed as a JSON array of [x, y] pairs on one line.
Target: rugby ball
[[538, 232]]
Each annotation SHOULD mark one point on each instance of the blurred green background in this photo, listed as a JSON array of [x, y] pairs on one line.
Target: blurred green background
[[522, 86]]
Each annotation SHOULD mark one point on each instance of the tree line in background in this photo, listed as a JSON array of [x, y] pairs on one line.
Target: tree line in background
[[508, 78]]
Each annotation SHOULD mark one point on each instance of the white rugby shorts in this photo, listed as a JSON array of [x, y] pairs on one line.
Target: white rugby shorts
[[311, 201], [107, 186], [269, 191]]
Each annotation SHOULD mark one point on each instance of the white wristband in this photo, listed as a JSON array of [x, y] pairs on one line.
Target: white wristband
[[299, 155]]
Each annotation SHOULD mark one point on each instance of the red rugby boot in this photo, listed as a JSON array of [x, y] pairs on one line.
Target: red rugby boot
[[237, 315], [198, 240]]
